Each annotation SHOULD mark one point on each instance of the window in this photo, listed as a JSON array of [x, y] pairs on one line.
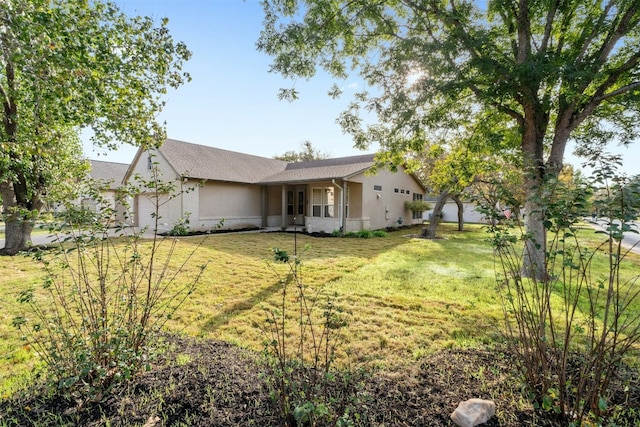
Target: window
[[417, 197], [328, 202], [346, 197], [323, 202], [377, 188], [395, 190], [401, 191], [300, 202], [289, 202], [316, 202], [149, 163]]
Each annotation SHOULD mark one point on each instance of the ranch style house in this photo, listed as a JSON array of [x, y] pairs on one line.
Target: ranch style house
[[211, 184]]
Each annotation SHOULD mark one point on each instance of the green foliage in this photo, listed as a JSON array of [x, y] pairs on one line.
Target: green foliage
[[464, 81], [417, 206], [307, 153], [303, 380], [181, 227], [572, 329], [362, 234], [95, 318], [109, 74]]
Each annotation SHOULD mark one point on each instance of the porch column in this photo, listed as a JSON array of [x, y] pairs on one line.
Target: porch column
[[284, 206], [264, 206], [344, 206]]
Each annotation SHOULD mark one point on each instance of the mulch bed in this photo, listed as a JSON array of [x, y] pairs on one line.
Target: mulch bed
[[212, 383]]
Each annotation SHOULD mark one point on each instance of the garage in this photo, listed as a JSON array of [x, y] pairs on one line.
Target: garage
[[146, 212]]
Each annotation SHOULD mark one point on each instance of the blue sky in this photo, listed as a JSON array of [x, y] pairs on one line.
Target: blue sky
[[232, 103]]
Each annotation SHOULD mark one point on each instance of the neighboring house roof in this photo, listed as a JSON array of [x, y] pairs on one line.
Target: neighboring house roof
[[109, 174], [203, 162], [319, 170]]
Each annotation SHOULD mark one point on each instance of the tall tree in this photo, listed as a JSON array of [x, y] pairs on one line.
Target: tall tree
[[546, 70], [306, 154], [67, 65]]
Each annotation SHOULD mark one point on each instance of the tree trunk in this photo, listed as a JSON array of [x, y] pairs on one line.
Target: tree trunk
[[534, 128], [536, 242], [460, 205], [430, 233], [19, 220], [17, 236]]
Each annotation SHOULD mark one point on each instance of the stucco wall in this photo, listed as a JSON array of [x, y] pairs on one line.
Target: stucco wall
[[385, 207], [170, 209], [240, 205], [274, 201]]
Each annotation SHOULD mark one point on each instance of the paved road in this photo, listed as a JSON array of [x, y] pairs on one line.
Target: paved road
[[45, 239], [630, 240]]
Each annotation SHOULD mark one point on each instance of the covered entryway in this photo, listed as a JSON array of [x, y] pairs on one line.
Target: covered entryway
[[296, 205]]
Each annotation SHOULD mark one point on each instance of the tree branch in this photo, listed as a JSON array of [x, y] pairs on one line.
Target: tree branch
[[594, 32], [601, 93], [551, 14]]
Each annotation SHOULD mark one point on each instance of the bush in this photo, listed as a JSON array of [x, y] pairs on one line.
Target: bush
[[417, 206], [362, 234], [303, 381], [96, 317], [572, 329]]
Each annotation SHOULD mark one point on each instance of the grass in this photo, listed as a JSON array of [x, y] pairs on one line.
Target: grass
[[405, 297]]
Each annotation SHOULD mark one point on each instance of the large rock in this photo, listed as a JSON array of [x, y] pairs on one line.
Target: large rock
[[473, 412]]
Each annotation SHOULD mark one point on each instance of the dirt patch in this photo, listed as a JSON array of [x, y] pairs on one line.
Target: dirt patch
[[212, 383]]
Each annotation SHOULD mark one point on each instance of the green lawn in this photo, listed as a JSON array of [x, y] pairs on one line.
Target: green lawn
[[405, 297]]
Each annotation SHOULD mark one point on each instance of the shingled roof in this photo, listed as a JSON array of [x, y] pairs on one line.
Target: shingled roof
[[109, 174], [319, 170], [203, 162]]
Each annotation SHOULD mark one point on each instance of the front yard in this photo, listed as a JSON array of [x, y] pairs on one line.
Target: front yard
[[406, 301]]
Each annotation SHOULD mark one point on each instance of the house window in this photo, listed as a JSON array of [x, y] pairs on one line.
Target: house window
[[328, 202], [401, 191], [316, 202], [300, 202], [377, 188], [149, 163], [395, 190], [323, 202], [417, 196], [289, 202], [346, 200]]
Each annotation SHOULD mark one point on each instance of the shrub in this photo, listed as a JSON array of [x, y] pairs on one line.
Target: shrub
[[572, 329], [95, 320], [302, 379], [362, 234], [417, 206]]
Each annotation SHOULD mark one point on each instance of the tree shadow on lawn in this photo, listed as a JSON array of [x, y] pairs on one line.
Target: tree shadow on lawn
[[240, 307], [258, 245]]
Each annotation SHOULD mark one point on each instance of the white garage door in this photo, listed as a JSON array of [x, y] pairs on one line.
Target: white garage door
[[147, 212]]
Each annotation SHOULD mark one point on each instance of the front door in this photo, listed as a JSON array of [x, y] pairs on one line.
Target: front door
[[300, 205]]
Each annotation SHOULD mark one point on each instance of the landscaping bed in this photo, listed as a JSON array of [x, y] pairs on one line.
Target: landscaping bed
[[213, 383]]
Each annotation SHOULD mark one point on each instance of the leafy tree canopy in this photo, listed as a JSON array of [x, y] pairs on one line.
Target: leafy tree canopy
[[67, 65], [307, 153], [527, 74]]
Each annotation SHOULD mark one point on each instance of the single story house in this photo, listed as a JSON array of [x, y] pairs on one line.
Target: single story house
[[210, 185]]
